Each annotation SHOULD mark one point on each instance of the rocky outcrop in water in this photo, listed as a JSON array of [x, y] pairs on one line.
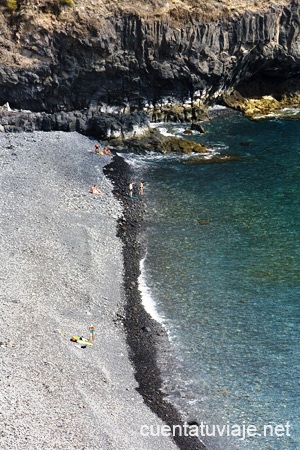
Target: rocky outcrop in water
[[265, 106], [153, 140], [129, 132], [61, 61]]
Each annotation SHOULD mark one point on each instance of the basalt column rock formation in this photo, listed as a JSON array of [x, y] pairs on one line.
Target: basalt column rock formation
[[100, 57]]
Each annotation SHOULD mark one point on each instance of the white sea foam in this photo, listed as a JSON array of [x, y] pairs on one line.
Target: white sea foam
[[170, 129], [157, 124], [281, 114], [165, 131], [141, 161], [292, 111], [217, 108], [147, 299]]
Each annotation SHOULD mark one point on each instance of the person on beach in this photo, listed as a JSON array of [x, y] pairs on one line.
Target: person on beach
[[92, 333], [95, 190], [106, 151], [131, 189], [141, 188], [97, 148]]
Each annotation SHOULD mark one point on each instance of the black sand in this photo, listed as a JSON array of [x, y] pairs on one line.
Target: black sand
[[144, 335]]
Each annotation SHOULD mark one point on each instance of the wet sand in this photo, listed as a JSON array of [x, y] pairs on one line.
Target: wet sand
[[146, 337]]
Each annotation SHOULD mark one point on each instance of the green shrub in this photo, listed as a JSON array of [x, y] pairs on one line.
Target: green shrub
[[67, 2], [12, 4]]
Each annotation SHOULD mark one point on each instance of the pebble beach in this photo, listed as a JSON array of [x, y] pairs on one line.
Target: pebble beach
[[61, 271]]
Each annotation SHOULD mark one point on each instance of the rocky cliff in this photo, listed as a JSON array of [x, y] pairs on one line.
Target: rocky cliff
[[55, 57]]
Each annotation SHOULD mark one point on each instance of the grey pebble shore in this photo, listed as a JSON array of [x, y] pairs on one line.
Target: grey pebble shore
[[61, 271]]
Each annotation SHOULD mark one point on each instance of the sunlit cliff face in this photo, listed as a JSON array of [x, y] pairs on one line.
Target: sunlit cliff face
[[59, 57]]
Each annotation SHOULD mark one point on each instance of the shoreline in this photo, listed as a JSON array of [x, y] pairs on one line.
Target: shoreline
[[145, 336]]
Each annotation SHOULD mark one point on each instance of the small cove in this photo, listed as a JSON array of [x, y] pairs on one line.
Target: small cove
[[221, 268]]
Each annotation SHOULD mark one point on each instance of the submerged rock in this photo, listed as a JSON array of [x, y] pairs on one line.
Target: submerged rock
[[201, 159], [197, 127]]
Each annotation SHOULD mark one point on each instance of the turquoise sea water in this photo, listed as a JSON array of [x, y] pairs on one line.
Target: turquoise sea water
[[223, 270]]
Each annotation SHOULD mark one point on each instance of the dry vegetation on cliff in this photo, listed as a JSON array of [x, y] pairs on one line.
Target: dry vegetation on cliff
[[205, 10], [88, 18], [81, 11]]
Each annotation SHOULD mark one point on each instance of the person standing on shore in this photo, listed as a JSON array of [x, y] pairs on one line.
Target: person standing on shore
[[131, 189], [141, 188], [92, 333]]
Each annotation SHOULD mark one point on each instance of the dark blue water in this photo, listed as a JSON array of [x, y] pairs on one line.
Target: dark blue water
[[223, 268]]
